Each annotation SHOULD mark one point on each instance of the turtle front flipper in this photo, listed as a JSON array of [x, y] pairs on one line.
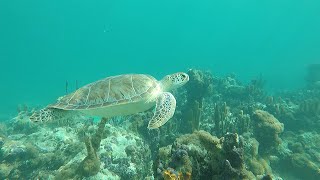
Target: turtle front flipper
[[165, 107]]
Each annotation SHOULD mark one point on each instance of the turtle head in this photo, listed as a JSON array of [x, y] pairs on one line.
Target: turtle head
[[174, 81]]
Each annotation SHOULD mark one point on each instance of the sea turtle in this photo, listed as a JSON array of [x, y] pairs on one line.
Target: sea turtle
[[119, 95]]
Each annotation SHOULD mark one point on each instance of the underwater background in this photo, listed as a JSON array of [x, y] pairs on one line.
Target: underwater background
[[45, 43], [269, 49]]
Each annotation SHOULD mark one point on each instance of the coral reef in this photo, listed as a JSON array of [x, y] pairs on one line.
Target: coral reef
[[59, 153], [204, 157], [199, 85], [257, 164], [138, 124], [126, 155], [301, 153], [298, 110], [122, 155], [255, 88], [31, 156], [21, 122], [234, 92], [222, 129]]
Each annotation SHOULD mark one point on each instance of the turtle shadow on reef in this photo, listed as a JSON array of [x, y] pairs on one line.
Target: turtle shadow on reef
[[90, 165]]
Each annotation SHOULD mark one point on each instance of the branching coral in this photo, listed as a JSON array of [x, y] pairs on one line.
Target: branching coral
[[199, 86], [310, 107], [224, 121], [255, 88], [221, 120], [193, 115], [90, 165], [244, 122]]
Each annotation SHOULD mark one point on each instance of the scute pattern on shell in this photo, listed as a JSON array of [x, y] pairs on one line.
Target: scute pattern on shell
[[109, 91]]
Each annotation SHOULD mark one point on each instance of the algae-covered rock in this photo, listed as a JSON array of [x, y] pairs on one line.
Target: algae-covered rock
[[267, 130], [1, 142], [256, 167], [302, 154], [301, 164], [121, 154], [5, 170], [200, 138], [199, 85], [253, 147]]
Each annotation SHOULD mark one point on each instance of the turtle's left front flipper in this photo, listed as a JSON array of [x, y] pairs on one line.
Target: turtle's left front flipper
[[165, 107]]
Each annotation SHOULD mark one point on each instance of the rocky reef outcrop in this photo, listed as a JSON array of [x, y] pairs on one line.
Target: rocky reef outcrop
[[267, 130], [202, 156]]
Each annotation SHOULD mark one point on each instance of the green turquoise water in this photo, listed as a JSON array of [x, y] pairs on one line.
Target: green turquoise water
[[45, 43]]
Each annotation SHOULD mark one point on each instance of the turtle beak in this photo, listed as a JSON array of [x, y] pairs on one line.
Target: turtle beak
[[184, 77]]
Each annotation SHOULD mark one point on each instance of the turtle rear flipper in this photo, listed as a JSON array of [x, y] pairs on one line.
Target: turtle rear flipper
[[44, 115], [165, 107]]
